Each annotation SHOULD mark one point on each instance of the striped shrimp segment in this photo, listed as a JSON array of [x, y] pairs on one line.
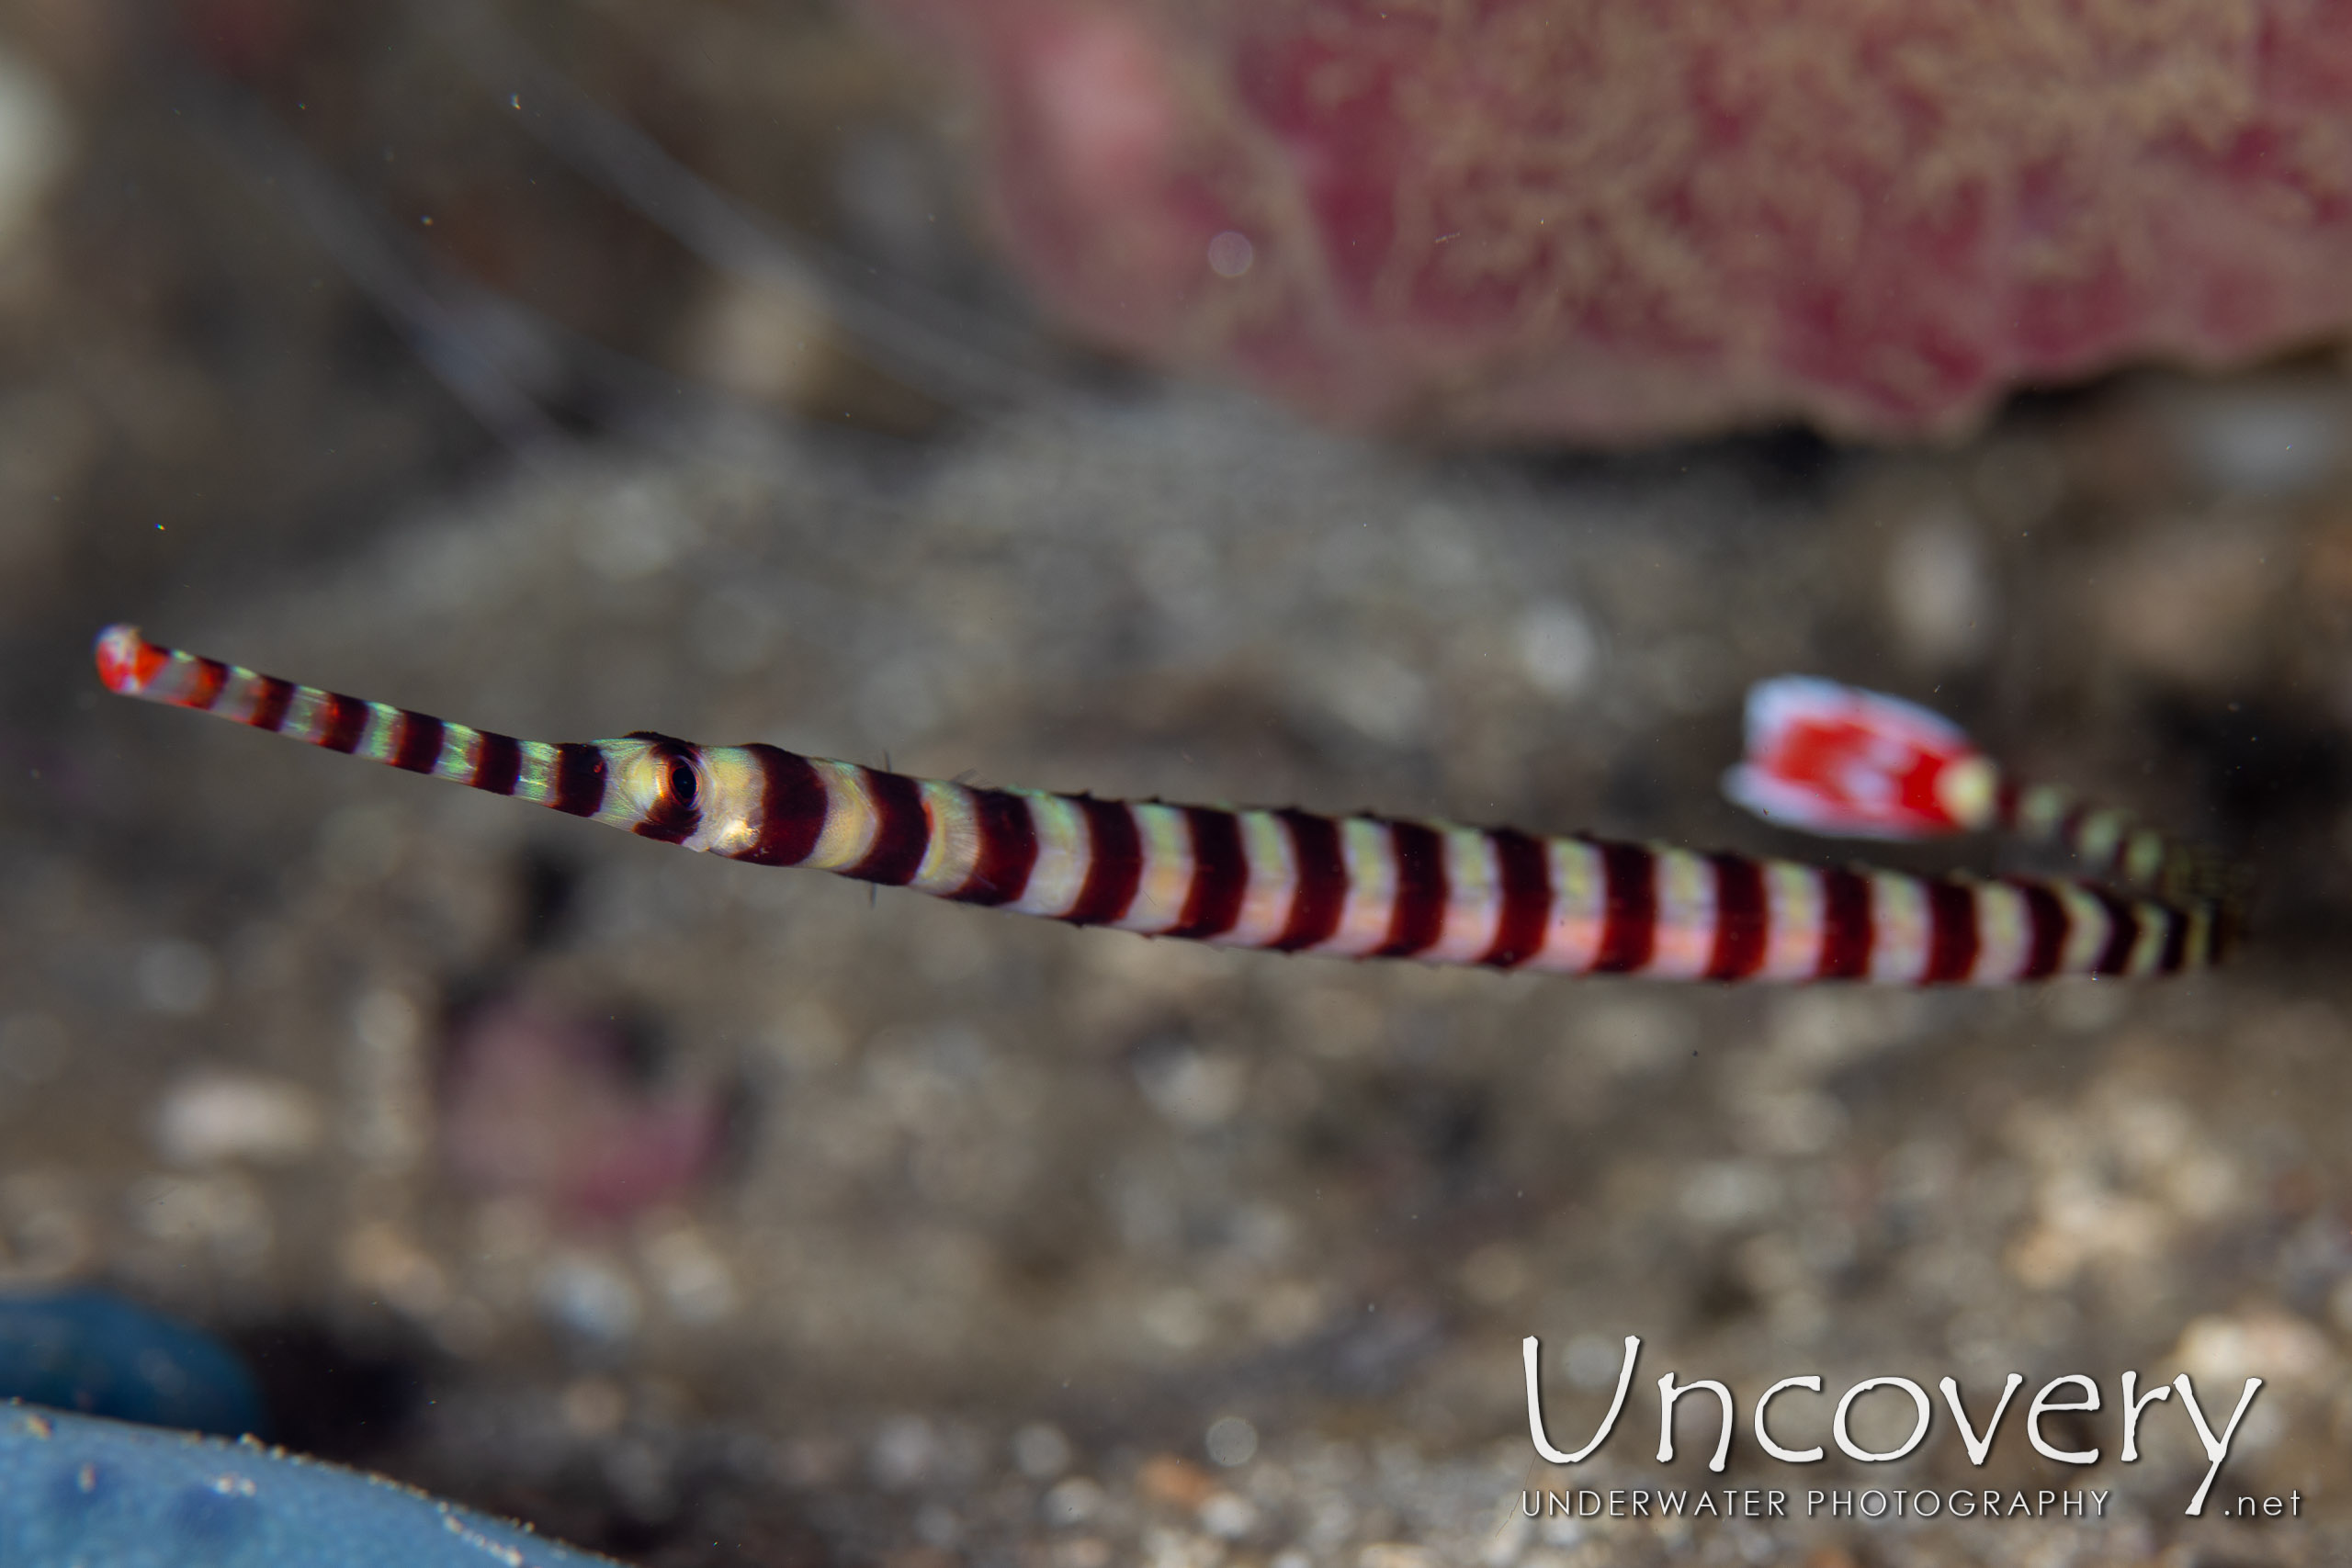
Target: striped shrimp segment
[[2113, 846], [1283, 879], [1836, 759]]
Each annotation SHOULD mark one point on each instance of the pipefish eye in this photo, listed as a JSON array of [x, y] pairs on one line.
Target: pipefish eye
[[682, 783]]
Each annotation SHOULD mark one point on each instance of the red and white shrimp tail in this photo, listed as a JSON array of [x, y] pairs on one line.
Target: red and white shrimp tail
[[1353, 886]]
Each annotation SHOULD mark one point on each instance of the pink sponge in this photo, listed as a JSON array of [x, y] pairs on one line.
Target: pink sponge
[[1612, 220]]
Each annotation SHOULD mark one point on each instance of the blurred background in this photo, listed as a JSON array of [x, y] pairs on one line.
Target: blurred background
[[1000, 391]]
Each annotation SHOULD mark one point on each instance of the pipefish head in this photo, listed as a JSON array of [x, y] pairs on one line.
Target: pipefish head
[[653, 785], [704, 797]]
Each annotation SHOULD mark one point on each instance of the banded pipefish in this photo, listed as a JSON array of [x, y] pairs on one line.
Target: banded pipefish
[[1820, 756]]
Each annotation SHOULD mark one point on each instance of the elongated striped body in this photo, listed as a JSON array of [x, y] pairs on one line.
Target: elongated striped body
[[1287, 880]]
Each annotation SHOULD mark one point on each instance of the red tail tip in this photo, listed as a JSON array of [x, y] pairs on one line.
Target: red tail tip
[[1833, 759], [126, 662]]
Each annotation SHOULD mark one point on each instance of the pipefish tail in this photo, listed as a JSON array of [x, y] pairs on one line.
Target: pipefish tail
[[1821, 756]]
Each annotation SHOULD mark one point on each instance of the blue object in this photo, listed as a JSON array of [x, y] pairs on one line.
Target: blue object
[[94, 1352], [76, 1490]]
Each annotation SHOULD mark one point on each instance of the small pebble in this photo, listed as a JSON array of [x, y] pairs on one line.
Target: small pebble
[[588, 1296], [211, 1117], [1041, 1452], [1232, 1441]]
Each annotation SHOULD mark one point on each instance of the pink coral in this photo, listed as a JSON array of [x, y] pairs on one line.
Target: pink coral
[[1614, 219]]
